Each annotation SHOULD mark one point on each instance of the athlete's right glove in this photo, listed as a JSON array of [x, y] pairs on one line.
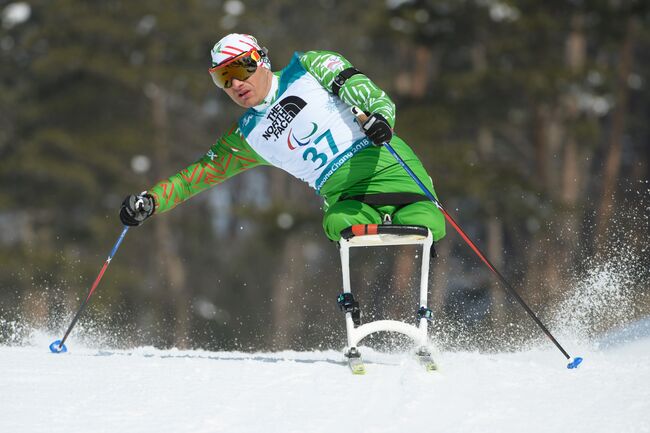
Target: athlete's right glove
[[137, 208], [375, 126], [377, 129]]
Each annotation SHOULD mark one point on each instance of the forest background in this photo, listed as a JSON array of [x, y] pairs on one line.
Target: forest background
[[531, 117]]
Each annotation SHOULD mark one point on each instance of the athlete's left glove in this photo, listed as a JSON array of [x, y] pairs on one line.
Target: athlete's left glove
[[137, 208]]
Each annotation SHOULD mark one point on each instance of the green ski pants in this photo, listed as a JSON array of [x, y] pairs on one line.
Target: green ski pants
[[346, 213], [375, 171]]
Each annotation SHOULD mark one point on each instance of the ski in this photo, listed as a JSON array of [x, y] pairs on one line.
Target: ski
[[357, 366], [355, 362], [424, 358]]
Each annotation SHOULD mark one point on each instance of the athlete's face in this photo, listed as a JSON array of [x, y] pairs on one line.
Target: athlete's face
[[252, 91]]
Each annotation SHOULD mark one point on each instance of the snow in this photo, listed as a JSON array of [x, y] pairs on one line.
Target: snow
[[97, 388], [151, 390]]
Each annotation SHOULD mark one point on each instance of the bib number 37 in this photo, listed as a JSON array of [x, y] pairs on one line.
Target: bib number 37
[[311, 154]]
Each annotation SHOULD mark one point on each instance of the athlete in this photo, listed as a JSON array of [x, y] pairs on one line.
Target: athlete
[[300, 120]]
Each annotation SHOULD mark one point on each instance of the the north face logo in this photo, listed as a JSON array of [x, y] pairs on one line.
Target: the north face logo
[[282, 114]]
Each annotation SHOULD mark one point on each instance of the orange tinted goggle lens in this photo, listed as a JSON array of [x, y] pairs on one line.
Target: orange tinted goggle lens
[[240, 68]]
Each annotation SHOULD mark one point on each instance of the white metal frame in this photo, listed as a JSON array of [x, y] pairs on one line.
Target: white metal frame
[[419, 334]]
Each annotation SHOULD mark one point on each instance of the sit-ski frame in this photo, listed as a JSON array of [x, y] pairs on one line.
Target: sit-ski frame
[[372, 235]]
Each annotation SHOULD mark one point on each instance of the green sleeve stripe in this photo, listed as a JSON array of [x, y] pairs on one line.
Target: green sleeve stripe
[[230, 155], [359, 90]]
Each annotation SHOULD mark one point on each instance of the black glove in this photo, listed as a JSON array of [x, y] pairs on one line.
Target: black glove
[[137, 208], [377, 129]]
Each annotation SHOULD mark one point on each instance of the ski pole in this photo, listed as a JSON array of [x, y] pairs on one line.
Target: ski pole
[[573, 362], [58, 346]]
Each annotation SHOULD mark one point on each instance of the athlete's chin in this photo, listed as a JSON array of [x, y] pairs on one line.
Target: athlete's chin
[[246, 102]]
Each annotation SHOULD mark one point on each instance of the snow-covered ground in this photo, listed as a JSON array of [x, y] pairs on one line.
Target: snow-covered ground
[[94, 388], [150, 390]]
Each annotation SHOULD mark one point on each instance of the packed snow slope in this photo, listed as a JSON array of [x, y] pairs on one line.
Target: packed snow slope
[[150, 390]]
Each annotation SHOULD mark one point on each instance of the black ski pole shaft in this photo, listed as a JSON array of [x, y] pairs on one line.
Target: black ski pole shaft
[[573, 362], [58, 346]]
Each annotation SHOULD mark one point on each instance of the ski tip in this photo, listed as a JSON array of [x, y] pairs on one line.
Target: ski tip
[[57, 347], [574, 362]]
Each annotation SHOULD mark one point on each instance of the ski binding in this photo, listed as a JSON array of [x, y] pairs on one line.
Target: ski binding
[[424, 358], [355, 362]]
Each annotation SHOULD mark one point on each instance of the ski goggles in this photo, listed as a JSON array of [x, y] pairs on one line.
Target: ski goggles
[[241, 67]]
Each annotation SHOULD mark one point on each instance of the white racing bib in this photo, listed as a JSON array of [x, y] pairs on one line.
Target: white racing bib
[[307, 131]]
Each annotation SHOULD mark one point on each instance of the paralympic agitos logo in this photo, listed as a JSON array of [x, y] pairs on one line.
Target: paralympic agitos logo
[[281, 115]]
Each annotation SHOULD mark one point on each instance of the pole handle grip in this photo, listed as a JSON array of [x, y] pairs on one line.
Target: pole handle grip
[[359, 114]]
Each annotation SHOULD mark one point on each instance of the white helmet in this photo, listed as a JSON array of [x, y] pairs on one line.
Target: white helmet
[[235, 44]]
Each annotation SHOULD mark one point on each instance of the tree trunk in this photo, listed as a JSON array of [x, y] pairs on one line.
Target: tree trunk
[[174, 274], [405, 275], [540, 143], [288, 296], [494, 229], [613, 158], [438, 277], [422, 72]]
